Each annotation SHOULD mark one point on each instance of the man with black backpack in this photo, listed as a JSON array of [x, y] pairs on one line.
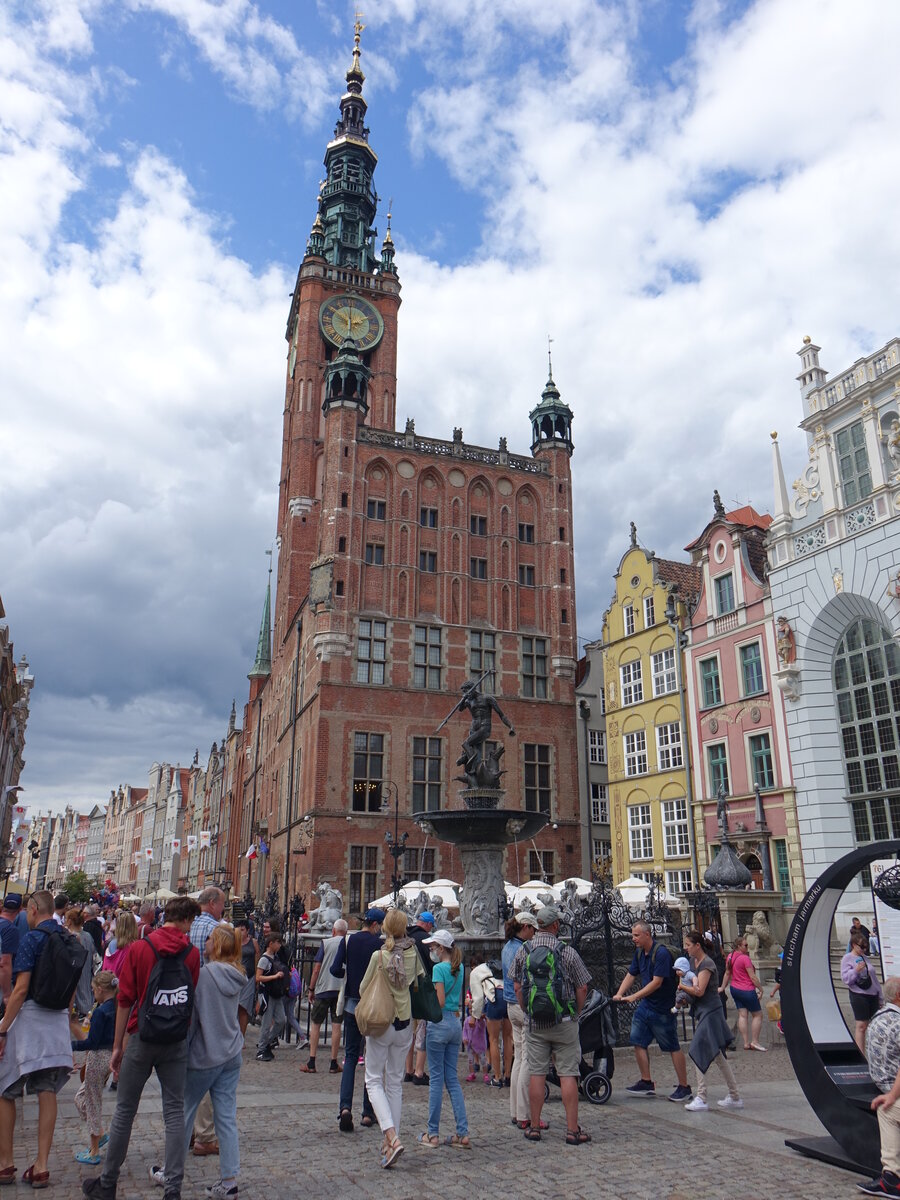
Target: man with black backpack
[[35, 1041], [551, 983], [156, 999]]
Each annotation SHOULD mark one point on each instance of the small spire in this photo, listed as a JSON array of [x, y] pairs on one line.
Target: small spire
[[549, 359], [232, 719], [782, 512], [262, 667], [355, 72]]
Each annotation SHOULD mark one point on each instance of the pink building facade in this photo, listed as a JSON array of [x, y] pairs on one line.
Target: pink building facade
[[736, 711]]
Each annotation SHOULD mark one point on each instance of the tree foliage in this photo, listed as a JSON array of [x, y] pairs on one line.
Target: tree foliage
[[79, 886]]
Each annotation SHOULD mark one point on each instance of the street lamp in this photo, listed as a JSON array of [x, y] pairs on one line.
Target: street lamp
[[673, 620], [396, 844]]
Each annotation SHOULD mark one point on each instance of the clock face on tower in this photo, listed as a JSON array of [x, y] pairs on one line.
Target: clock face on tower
[[344, 317]]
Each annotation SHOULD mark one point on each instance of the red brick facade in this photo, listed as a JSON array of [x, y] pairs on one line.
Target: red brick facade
[[385, 538]]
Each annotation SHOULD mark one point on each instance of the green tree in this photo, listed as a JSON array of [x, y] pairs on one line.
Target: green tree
[[78, 887]]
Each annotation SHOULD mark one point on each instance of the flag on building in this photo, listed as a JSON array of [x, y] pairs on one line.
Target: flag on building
[[191, 842], [176, 847], [204, 839], [148, 853], [19, 810], [263, 848], [251, 851]]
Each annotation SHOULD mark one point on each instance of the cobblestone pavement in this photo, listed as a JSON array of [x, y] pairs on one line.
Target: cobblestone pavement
[[291, 1146]]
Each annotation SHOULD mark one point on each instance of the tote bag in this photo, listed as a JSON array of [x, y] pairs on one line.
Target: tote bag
[[375, 1010], [423, 1000]]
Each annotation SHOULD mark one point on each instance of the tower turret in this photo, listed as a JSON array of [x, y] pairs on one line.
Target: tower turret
[[262, 667], [551, 421]]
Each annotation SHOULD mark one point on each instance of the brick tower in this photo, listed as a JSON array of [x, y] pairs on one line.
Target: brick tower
[[406, 566]]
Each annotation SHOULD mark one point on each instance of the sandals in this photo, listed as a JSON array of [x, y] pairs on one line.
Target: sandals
[[88, 1159], [532, 1135], [578, 1137], [37, 1179], [428, 1141], [7, 1176], [458, 1143], [391, 1153]]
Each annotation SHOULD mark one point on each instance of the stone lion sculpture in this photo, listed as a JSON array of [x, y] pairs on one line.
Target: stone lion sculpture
[[760, 941], [331, 908]]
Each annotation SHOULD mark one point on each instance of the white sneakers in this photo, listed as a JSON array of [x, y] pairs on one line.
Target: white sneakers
[[698, 1105]]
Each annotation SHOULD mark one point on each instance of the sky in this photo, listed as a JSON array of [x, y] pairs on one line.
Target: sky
[[675, 192]]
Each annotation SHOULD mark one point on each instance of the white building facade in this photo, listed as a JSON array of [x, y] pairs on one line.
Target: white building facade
[[834, 573]]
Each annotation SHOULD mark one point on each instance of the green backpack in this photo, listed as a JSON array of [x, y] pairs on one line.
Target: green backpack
[[543, 989]]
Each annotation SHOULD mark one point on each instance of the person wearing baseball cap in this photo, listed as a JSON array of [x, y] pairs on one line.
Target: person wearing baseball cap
[[518, 929], [415, 1073], [444, 1040]]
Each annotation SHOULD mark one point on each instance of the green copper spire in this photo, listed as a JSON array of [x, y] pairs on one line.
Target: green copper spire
[[551, 420], [262, 668]]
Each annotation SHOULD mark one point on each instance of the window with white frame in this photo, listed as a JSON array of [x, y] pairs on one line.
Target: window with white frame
[[676, 836], [628, 615], [602, 699], [853, 462], [662, 668], [640, 831], [710, 687], [669, 753], [724, 586], [751, 669], [717, 761], [632, 684], [600, 850], [427, 657], [599, 804], [761, 763], [597, 745], [679, 882], [371, 652], [636, 753], [649, 612]]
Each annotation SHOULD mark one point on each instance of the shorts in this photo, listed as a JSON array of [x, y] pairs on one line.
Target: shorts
[[322, 1005], [495, 1010], [864, 1007], [748, 999], [50, 1079], [647, 1024], [562, 1041]]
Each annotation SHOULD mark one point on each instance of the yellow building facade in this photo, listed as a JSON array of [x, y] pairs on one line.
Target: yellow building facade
[[651, 811]]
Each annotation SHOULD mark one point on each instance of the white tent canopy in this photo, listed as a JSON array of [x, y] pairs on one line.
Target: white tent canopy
[[635, 892], [410, 893], [583, 887]]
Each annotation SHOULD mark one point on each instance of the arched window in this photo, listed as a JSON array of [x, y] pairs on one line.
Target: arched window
[[867, 686]]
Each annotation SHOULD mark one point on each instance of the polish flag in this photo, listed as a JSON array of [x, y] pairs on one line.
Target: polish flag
[[251, 851]]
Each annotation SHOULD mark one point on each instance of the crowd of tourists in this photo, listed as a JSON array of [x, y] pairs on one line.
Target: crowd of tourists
[[173, 991]]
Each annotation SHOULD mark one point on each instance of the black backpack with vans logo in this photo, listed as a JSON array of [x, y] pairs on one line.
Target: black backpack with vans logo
[[164, 1015]]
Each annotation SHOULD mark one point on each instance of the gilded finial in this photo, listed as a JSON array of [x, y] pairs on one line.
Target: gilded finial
[[807, 340], [774, 435], [358, 27]]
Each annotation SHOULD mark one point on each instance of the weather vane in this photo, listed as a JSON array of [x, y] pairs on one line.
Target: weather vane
[[549, 356]]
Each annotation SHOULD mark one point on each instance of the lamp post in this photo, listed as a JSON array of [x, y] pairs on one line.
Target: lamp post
[[396, 843], [681, 640]]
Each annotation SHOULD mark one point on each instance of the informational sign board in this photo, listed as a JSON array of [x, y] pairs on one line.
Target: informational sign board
[[888, 925]]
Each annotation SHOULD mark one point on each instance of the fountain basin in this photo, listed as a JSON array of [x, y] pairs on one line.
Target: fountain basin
[[483, 827]]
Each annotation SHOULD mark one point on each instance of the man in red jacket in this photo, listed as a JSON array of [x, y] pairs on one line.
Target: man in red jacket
[[141, 1058]]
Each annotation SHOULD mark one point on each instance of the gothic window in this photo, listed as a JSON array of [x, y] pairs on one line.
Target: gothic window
[[368, 771], [426, 792], [537, 778]]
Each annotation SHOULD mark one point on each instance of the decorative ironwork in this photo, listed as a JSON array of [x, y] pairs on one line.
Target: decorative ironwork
[[887, 887]]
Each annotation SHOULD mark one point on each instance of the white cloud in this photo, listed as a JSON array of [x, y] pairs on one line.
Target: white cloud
[[153, 357]]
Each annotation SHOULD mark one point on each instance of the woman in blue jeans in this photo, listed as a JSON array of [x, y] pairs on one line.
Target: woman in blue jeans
[[223, 1002], [443, 1043]]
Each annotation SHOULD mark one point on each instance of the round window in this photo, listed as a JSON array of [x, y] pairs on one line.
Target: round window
[[719, 551]]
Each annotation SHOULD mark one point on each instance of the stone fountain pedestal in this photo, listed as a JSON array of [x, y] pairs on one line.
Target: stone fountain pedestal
[[481, 831]]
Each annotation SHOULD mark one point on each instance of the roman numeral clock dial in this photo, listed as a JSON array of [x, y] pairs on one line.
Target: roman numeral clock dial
[[344, 317]]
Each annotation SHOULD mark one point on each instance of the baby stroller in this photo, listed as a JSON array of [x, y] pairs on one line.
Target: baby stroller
[[597, 1034]]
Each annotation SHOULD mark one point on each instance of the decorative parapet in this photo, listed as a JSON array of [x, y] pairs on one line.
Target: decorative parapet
[[809, 541], [458, 449], [860, 518]]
